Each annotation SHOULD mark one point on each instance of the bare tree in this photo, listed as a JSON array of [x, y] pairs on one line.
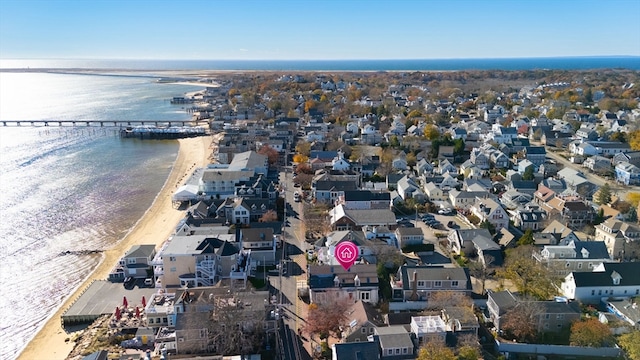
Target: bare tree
[[522, 321], [482, 272], [328, 317], [438, 300], [269, 216], [235, 328]]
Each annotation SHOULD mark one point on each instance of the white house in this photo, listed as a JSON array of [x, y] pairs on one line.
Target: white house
[[491, 211], [340, 163], [606, 280]]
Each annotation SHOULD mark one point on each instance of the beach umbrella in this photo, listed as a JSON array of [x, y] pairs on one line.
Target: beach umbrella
[[118, 314], [125, 303], [137, 312], [144, 301]]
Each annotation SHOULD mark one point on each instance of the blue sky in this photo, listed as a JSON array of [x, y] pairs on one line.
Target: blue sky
[[329, 29]]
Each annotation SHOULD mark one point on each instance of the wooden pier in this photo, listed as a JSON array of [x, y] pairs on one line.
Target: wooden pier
[[101, 123]]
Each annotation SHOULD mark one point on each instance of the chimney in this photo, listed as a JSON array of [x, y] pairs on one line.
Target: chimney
[[414, 293]]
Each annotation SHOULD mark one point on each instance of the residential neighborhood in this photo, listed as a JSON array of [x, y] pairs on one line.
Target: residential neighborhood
[[487, 222]]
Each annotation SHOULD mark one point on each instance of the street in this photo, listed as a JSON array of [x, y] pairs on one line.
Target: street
[[618, 190], [293, 309]]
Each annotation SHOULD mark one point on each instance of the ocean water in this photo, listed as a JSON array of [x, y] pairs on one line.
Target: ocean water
[[70, 189], [562, 63]]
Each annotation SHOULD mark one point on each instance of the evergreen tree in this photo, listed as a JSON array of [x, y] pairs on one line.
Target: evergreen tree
[[528, 173], [604, 194], [526, 238], [599, 217], [632, 215]]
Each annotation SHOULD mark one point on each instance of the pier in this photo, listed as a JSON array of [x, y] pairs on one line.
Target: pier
[[102, 123]]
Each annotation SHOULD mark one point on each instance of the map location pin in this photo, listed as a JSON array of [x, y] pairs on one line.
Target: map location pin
[[347, 253]]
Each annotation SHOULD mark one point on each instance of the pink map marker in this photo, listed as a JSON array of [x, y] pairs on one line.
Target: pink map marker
[[347, 253]]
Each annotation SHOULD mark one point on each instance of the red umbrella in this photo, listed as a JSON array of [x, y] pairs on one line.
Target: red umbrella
[[144, 301], [137, 312], [125, 303], [118, 314]]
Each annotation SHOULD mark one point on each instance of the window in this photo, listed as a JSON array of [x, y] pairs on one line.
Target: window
[[579, 265], [172, 258], [365, 296], [546, 316], [421, 283], [454, 283], [173, 269], [390, 352], [405, 350], [593, 292], [437, 283], [363, 330], [560, 317]]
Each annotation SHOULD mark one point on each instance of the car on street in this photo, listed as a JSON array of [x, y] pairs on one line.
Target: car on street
[[296, 185]]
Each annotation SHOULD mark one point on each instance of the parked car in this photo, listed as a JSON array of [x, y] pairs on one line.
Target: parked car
[[451, 224]]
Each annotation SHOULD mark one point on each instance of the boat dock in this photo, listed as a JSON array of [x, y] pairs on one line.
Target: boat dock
[[152, 132]]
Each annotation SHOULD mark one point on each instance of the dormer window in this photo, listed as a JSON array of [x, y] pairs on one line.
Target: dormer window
[[616, 277]]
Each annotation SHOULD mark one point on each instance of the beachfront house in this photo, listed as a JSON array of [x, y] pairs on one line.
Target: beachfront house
[[135, 263], [200, 260]]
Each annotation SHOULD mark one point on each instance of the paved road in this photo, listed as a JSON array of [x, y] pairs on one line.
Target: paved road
[[294, 310], [617, 189]]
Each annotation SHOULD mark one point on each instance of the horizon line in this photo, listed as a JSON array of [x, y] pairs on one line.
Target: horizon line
[[321, 59]]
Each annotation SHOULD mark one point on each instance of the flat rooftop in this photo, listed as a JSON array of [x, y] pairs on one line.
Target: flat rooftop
[[102, 297]]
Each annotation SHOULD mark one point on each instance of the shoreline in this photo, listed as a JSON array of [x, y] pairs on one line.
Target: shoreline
[[154, 227]]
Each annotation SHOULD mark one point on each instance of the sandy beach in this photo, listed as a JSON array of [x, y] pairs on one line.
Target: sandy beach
[[155, 226]]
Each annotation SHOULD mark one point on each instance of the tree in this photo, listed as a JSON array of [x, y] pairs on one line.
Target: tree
[[590, 332], [632, 215], [327, 317], [438, 300], [630, 342], [468, 346], [232, 328], [298, 158], [431, 132], [269, 216], [521, 322], [599, 218], [604, 195], [303, 148], [634, 139], [271, 154], [528, 173], [633, 198], [529, 276], [489, 226], [435, 350], [622, 206], [458, 146], [618, 136], [411, 159], [526, 238], [481, 271]]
